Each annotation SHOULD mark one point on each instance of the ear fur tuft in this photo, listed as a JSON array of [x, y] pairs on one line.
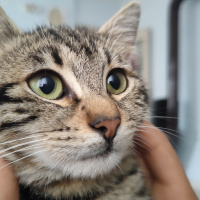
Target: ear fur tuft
[[122, 29]]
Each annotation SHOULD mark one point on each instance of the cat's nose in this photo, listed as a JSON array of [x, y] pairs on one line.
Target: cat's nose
[[107, 128]]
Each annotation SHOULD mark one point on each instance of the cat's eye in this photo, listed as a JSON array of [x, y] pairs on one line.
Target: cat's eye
[[116, 82], [46, 85]]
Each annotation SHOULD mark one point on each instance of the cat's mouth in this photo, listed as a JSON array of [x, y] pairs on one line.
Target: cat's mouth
[[100, 154]]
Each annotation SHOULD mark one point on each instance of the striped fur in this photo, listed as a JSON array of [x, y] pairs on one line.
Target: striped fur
[[54, 151]]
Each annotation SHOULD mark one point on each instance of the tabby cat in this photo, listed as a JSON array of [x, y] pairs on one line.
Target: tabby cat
[[70, 103]]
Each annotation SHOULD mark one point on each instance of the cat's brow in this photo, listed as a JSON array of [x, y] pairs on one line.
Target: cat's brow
[[56, 57], [108, 56]]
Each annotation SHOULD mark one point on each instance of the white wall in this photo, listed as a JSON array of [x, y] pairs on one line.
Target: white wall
[[189, 89], [17, 11], [155, 16]]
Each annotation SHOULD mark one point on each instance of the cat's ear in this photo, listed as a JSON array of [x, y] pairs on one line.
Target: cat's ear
[[121, 29], [7, 28]]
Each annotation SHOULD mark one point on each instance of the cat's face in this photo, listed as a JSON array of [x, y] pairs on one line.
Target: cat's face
[[70, 102]]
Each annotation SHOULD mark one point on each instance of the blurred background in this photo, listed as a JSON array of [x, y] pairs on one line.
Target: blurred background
[[169, 59]]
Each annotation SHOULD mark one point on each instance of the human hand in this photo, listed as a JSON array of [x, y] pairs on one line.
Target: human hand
[[9, 188], [166, 179]]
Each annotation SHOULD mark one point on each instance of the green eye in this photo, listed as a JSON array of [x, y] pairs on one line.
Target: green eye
[[116, 82], [47, 85]]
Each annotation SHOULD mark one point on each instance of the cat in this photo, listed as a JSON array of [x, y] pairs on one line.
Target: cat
[[70, 104]]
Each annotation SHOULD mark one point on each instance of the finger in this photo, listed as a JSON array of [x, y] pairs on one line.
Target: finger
[[159, 155], [161, 161], [9, 189]]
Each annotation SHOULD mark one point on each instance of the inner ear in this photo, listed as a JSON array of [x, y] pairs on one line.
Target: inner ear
[[134, 61], [8, 29], [121, 30]]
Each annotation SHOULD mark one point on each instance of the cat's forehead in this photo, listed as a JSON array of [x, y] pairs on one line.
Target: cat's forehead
[[82, 42], [81, 51]]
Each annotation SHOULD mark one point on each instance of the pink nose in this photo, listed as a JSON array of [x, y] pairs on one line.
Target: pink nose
[[108, 128]]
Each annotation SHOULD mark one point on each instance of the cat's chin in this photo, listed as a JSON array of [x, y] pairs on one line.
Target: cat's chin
[[100, 154]]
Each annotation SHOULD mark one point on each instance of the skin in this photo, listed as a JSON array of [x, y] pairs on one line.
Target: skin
[[8, 183], [164, 173]]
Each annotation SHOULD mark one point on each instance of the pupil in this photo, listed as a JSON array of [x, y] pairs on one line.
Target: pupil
[[114, 81], [46, 84]]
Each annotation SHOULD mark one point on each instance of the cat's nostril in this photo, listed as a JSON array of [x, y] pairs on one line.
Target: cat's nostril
[[107, 128], [102, 129]]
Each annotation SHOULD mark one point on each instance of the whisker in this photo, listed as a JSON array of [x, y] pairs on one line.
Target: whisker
[[22, 158], [117, 165], [141, 140], [24, 138], [141, 145], [137, 152], [167, 132], [19, 145], [148, 132], [164, 117], [168, 129], [22, 149]]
